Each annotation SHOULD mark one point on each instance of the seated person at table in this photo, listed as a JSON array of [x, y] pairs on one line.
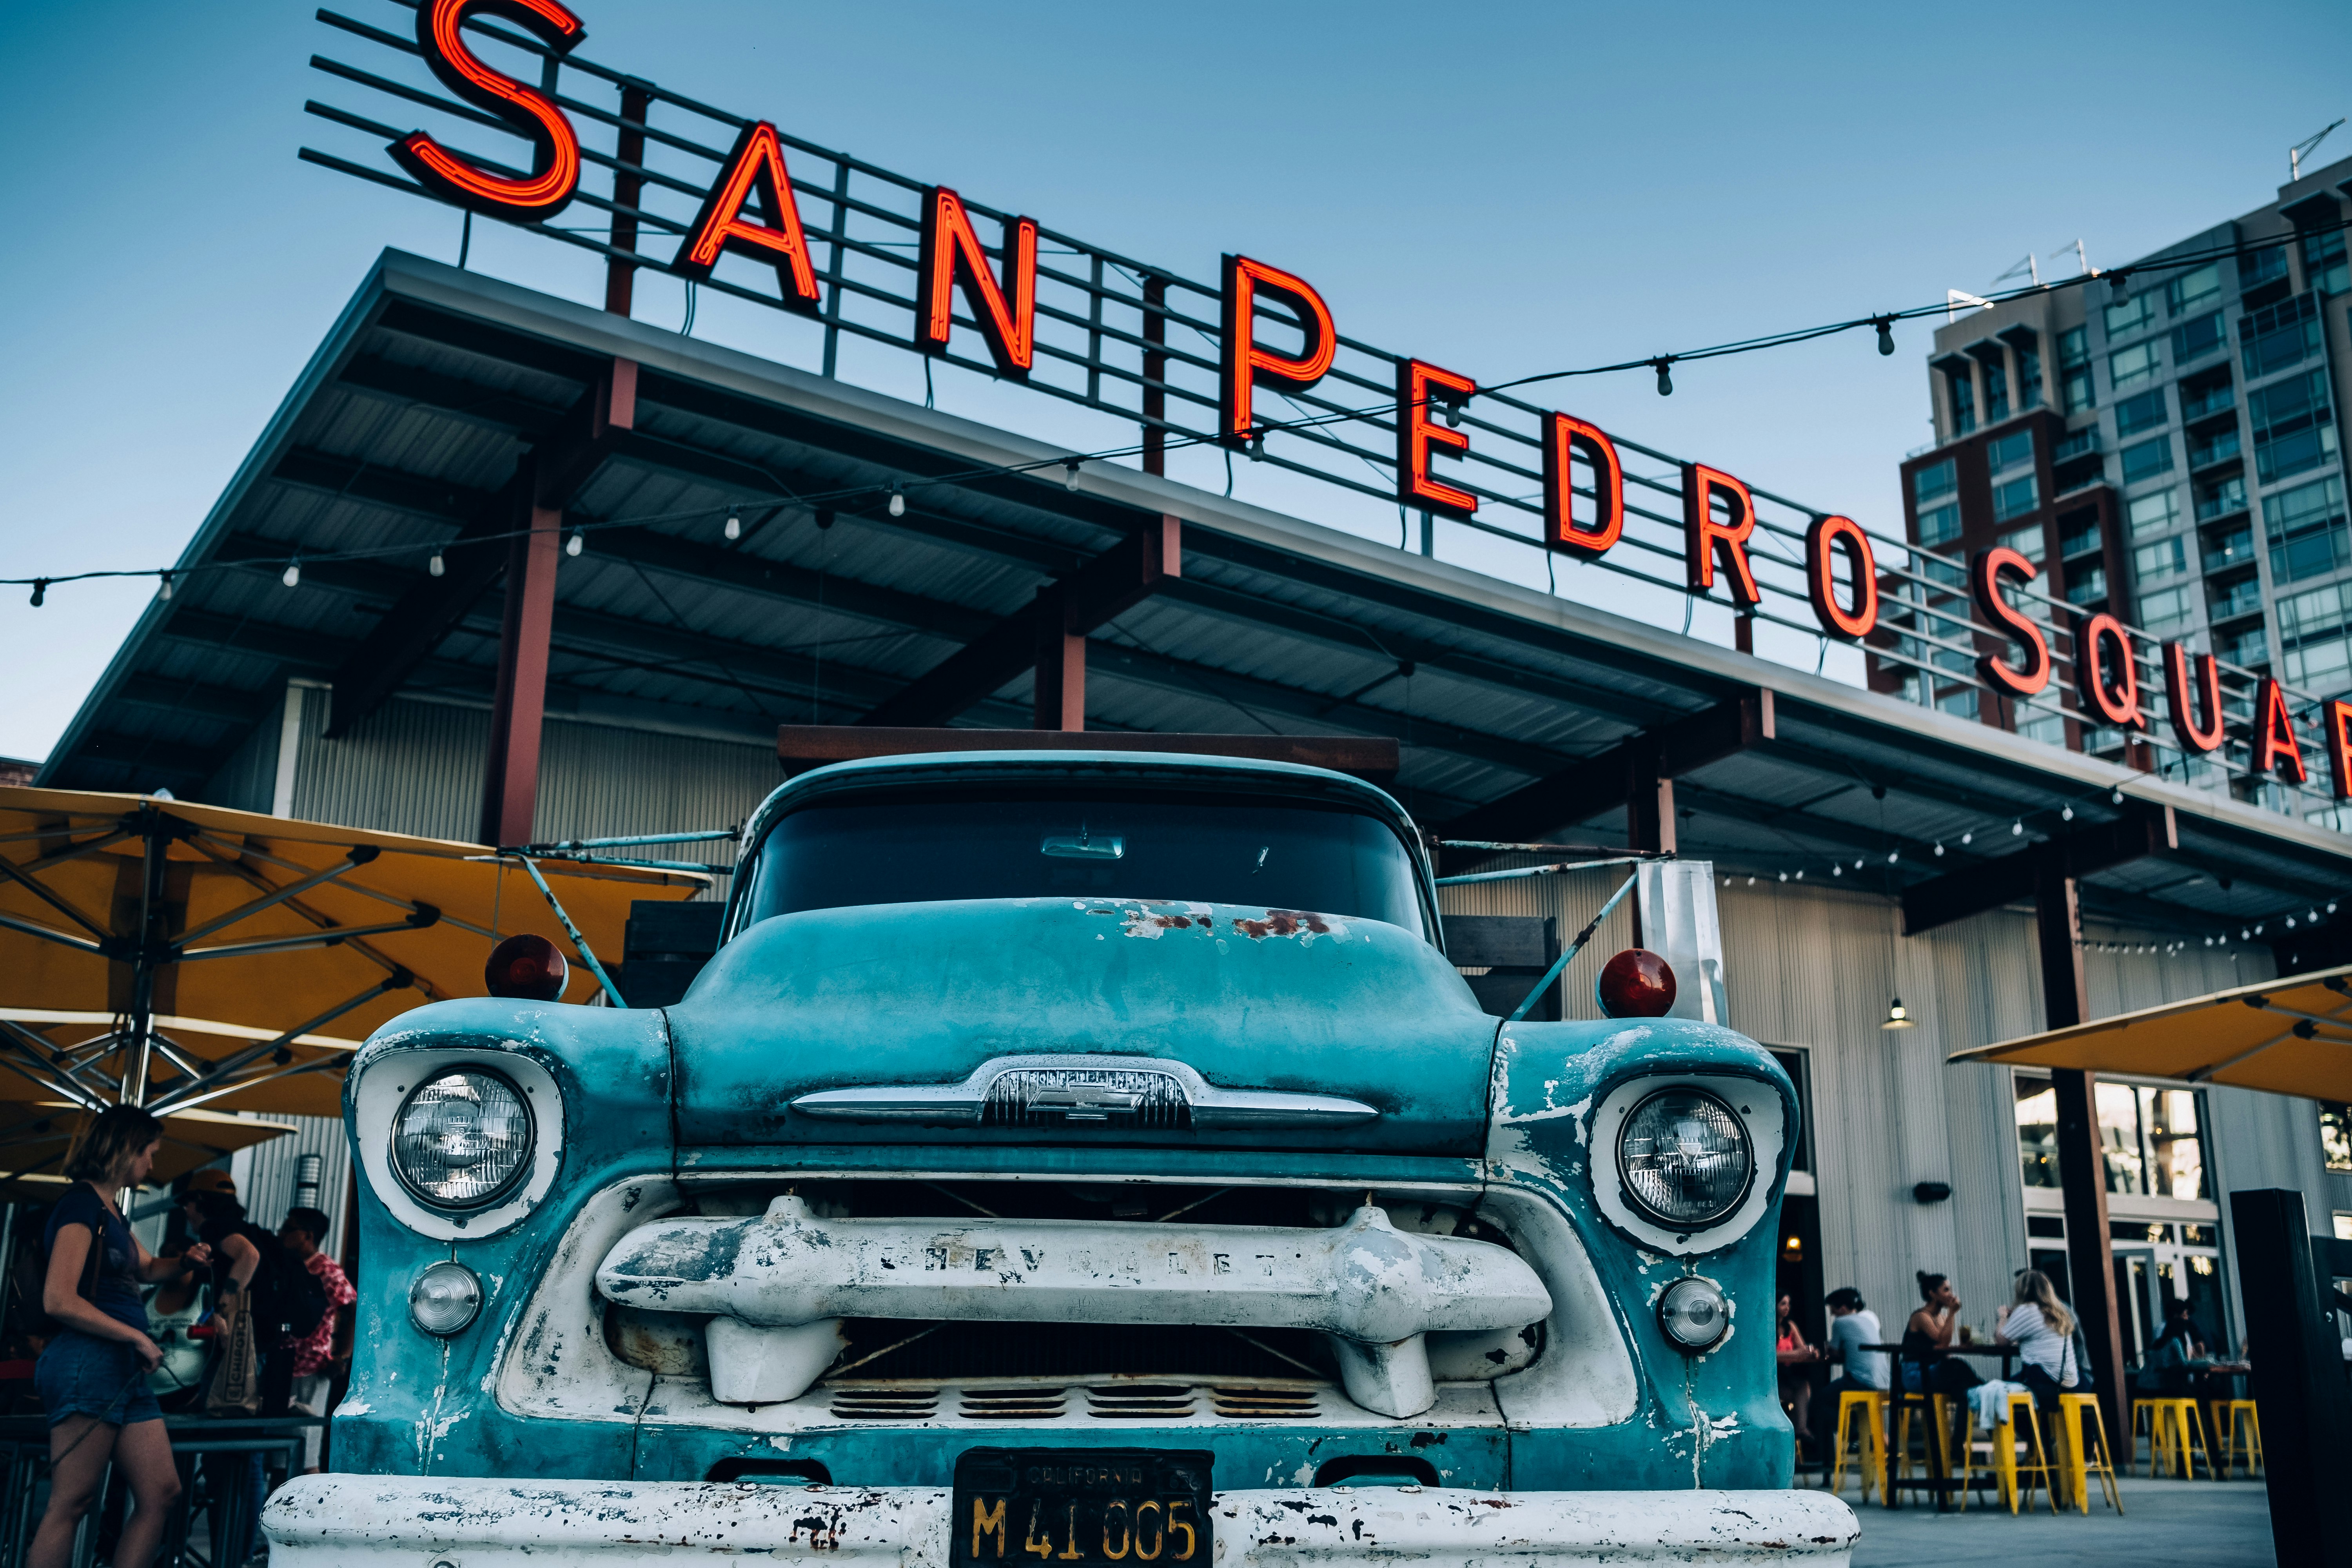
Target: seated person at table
[[1796, 1359], [1853, 1326], [1926, 1337], [2042, 1330], [2164, 1373]]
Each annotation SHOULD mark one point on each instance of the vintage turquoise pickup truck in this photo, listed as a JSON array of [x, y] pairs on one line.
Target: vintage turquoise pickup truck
[[1081, 1158]]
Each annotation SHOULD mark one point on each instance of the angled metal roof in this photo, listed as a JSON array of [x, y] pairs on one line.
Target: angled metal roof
[[415, 410]]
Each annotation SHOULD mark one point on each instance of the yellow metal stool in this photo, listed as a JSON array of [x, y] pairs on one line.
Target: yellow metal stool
[[2236, 1427], [2175, 1433], [1939, 1423], [1872, 1461], [2074, 1433], [2006, 1439]]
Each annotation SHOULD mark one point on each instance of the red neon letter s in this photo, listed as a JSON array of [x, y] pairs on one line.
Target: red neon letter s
[[1827, 535], [947, 236], [2274, 745], [1985, 571], [1703, 536], [555, 161], [756, 167], [1242, 365], [1416, 384], [2336, 715], [2104, 687], [1569, 437], [2191, 680]]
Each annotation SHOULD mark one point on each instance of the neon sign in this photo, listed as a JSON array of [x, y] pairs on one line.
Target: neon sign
[[1444, 464]]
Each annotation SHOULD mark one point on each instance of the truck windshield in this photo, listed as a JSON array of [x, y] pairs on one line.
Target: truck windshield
[[1236, 850]]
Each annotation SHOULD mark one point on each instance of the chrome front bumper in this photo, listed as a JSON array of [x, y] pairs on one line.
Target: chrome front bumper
[[316, 1521]]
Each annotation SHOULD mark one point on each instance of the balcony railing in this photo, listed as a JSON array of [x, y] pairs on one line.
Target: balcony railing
[[2077, 445], [2221, 449], [2231, 497], [2234, 550], [2213, 402], [2241, 598]]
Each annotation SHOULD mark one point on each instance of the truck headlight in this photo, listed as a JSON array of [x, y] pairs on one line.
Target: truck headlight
[[1694, 1313], [444, 1298], [461, 1139], [1686, 1158]]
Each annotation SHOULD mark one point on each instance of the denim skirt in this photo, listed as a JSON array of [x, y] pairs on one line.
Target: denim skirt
[[81, 1374]]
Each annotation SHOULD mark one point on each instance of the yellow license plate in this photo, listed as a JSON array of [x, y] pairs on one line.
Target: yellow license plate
[[1081, 1508]]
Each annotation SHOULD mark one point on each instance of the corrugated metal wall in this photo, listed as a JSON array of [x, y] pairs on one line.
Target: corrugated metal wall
[[1814, 967], [266, 1174]]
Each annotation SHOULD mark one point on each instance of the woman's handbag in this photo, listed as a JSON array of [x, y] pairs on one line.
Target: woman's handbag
[[236, 1379]]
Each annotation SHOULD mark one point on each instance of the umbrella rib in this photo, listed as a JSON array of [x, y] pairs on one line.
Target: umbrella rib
[[332, 936], [267, 902], [88, 1099], [49, 895], [323, 1063], [64, 939], [235, 866], [266, 1047], [2263, 1003]]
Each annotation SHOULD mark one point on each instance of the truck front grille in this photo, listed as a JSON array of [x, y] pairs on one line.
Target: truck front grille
[[1004, 1400]]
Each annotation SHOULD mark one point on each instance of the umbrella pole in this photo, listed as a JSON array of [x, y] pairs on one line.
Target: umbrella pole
[[572, 932], [141, 1043]]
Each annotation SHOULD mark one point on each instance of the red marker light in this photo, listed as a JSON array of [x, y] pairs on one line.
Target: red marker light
[[1636, 984], [528, 967]]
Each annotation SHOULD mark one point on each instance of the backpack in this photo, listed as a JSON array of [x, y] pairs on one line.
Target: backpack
[[286, 1300]]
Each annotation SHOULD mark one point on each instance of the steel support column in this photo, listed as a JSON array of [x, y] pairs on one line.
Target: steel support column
[[2081, 1165], [1649, 798], [629, 153], [510, 787], [1155, 375], [1060, 695], [2299, 1377]]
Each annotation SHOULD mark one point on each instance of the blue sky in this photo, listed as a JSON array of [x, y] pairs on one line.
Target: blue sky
[[1500, 189]]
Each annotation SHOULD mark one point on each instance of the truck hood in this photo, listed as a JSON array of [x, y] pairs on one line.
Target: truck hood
[[925, 997]]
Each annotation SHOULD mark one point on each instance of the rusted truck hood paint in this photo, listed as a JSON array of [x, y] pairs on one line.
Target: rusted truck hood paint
[[1249, 997]]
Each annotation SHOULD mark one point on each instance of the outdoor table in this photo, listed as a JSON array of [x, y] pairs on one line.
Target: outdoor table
[[1939, 1478], [25, 1454]]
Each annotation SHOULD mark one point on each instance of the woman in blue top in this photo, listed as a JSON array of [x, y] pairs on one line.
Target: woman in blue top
[[92, 1377]]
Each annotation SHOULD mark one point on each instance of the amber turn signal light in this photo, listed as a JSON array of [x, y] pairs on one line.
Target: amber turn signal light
[[530, 967], [1636, 984]]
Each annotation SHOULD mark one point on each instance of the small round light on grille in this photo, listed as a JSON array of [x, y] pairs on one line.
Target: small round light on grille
[[1684, 1158], [1693, 1314], [462, 1139], [444, 1298]]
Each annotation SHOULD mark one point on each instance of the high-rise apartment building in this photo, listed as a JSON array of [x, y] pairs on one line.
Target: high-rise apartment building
[[2165, 443]]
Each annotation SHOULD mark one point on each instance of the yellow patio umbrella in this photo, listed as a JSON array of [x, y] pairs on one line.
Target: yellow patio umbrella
[[2288, 1035], [178, 955]]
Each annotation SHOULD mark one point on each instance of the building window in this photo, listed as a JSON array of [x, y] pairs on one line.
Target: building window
[[1962, 703], [2335, 1143], [2294, 427], [2130, 367], [2016, 498], [2029, 378], [2154, 514], [1996, 391], [2193, 340], [2026, 541], [2150, 1140], [1936, 479], [2161, 559], [2078, 530], [2037, 1132], [2194, 290], [2323, 265], [2209, 394], [2086, 586], [2074, 371], [2312, 646], [2222, 499], [2010, 450], [1964, 400], [2261, 266], [2281, 336], [1940, 525], [2148, 459], [2247, 649], [2134, 314], [2037, 725], [2145, 412], [2162, 613], [2305, 529]]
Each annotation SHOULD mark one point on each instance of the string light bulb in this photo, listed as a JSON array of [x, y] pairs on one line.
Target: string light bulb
[[1968, 837], [1453, 416], [164, 587], [1939, 849], [40, 591], [1784, 876], [898, 501], [734, 524], [1666, 382], [576, 544], [2115, 796], [2118, 281], [1886, 334], [1257, 446], [434, 565], [1070, 474], [2065, 814], [2017, 829], [291, 576]]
